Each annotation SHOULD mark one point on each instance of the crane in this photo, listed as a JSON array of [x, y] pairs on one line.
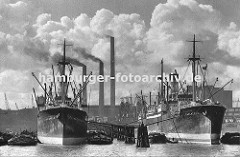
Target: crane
[[231, 81], [6, 102], [44, 89], [33, 104], [16, 106]]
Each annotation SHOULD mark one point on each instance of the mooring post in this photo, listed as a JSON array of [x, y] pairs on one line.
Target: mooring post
[[125, 134], [142, 140], [139, 136], [129, 136], [118, 132]]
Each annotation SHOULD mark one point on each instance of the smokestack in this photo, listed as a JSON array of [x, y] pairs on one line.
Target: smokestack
[[162, 90], [95, 59], [45, 93], [101, 89], [84, 73], [80, 98], [150, 98], [112, 75]]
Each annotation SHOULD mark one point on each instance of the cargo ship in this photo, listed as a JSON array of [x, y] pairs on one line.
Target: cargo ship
[[60, 119], [184, 116], [180, 113]]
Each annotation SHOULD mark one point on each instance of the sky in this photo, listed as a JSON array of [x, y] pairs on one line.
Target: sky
[[145, 31]]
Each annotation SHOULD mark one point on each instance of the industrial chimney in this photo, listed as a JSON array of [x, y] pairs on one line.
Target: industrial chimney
[[101, 89], [84, 73], [112, 75]]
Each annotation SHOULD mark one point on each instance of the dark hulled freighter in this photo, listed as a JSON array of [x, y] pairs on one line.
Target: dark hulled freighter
[[181, 115], [60, 119], [188, 118], [190, 122]]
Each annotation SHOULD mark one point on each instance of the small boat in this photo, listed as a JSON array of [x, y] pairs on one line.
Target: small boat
[[172, 140], [22, 140], [99, 137], [155, 137], [231, 138], [4, 137], [2, 141]]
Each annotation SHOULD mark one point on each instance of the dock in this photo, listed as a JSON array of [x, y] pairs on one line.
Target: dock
[[119, 131]]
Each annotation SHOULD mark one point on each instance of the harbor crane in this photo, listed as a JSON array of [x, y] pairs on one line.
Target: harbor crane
[[16, 106], [6, 102]]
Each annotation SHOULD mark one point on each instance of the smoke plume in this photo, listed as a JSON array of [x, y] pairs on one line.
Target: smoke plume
[[86, 55], [58, 57]]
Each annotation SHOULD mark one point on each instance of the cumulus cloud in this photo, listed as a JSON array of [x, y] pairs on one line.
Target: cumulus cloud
[[229, 40], [30, 39], [34, 50], [174, 22], [42, 19]]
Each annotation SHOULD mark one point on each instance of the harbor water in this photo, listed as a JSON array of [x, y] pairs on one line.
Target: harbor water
[[119, 148]]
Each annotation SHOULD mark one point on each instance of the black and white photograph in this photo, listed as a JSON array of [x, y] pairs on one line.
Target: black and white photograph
[[119, 78]]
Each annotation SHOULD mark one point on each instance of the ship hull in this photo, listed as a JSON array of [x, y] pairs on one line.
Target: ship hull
[[62, 126], [190, 129], [199, 124]]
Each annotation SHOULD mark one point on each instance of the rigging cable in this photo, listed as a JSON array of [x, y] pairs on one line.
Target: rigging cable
[[183, 77], [177, 130], [206, 83], [160, 122]]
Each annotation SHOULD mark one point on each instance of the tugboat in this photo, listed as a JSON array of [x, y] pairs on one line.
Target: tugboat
[[60, 119]]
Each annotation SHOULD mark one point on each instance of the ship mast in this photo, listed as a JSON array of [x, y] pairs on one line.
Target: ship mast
[[193, 59], [64, 63]]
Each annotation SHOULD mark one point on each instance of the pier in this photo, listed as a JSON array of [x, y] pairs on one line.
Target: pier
[[121, 132]]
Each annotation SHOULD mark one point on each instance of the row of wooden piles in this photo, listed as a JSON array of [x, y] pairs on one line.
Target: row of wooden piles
[[127, 134]]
